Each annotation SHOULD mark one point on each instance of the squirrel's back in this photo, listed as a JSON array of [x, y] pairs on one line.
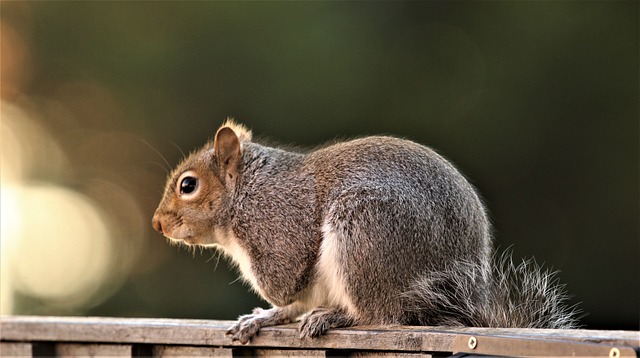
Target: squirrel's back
[[405, 177]]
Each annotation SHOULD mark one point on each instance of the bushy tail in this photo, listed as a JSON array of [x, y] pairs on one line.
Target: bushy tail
[[512, 296]]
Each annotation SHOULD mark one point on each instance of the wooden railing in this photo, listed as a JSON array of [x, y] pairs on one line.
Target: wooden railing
[[93, 336]]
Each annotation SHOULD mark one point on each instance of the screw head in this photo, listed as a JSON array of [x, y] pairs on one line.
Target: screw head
[[473, 342], [614, 353]]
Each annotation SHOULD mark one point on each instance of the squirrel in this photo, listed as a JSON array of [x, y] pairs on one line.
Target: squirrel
[[373, 231]]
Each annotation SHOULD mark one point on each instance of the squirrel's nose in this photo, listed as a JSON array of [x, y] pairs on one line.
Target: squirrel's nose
[[157, 225]]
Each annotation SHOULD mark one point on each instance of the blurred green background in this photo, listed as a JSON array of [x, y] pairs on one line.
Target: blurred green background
[[536, 102]]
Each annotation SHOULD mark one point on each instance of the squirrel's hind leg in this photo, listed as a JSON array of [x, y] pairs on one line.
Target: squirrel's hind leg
[[318, 321]]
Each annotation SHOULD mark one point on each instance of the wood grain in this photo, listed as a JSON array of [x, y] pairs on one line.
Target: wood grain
[[168, 337]]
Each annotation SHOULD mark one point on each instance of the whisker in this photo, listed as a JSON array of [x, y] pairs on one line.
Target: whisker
[[180, 149], [157, 152], [158, 164], [213, 255], [236, 280], [216, 254]]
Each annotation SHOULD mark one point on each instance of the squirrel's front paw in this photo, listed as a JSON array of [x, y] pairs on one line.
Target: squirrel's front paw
[[246, 327], [249, 325]]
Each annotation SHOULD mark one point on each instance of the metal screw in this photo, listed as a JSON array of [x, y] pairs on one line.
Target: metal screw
[[473, 342], [614, 353]]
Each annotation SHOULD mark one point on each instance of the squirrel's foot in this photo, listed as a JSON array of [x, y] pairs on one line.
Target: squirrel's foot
[[318, 321], [249, 325]]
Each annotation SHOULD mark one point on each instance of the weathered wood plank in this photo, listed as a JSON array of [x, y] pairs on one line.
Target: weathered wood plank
[[92, 350], [527, 347], [167, 332], [15, 349], [190, 351], [285, 353], [113, 330], [626, 338], [388, 355], [209, 333]]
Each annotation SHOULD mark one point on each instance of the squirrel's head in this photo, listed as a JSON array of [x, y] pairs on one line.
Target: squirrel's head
[[194, 206]]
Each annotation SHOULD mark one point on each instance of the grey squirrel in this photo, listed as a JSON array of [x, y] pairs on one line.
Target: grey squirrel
[[377, 230]]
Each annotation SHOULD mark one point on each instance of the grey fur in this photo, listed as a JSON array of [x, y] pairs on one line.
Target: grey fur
[[402, 232], [516, 296]]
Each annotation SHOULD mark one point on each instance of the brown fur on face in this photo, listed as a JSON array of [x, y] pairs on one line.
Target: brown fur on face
[[194, 218]]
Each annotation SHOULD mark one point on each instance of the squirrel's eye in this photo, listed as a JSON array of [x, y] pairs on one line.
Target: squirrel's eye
[[188, 185]]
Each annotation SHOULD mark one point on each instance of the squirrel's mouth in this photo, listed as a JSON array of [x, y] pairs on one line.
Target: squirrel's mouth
[[175, 231], [180, 234]]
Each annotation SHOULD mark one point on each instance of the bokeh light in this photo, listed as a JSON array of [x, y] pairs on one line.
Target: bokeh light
[[63, 242], [56, 241]]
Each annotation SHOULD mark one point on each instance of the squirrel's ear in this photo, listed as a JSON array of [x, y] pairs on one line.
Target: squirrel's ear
[[227, 152]]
